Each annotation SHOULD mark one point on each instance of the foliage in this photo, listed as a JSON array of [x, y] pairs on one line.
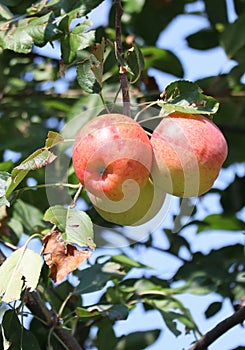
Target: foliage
[[45, 99]]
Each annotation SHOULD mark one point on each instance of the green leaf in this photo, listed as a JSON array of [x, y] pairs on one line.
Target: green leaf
[[4, 183], [213, 309], [239, 6], [29, 216], [112, 311], [15, 37], [163, 60], [5, 12], [76, 225], [53, 139], [138, 340], [20, 36], [57, 216], [6, 166], [64, 6], [187, 97], [36, 160], [165, 306], [20, 270], [79, 228], [95, 277], [126, 261], [86, 77], [231, 39], [232, 198], [78, 39], [15, 335], [105, 337], [43, 29], [217, 12], [205, 39], [220, 222]]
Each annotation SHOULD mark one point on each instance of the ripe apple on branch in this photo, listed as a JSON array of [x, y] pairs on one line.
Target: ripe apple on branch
[[127, 175]]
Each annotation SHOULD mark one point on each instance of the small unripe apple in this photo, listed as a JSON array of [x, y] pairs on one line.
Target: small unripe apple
[[188, 153], [135, 210], [112, 156]]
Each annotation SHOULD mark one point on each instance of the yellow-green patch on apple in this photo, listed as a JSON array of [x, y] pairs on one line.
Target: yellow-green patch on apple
[[133, 211]]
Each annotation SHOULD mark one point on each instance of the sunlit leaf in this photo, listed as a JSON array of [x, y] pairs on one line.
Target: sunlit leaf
[[4, 182], [76, 225], [36, 160], [57, 216], [20, 270], [187, 97], [53, 139], [78, 39], [5, 12], [220, 222], [21, 36], [113, 312], [127, 261], [79, 229]]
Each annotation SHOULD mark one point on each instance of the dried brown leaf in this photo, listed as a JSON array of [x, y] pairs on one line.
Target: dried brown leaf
[[61, 258]]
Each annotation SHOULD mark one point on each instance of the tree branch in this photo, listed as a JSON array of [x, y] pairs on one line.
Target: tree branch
[[221, 328], [122, 68]]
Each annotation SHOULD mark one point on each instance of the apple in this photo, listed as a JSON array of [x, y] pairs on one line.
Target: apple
[[112, 156], [188, 153], [135, 210]]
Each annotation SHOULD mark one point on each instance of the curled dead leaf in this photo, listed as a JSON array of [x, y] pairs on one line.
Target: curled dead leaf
[[61, 258]]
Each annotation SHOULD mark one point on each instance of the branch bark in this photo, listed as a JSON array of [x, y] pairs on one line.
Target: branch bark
[[122, 69], [221, 328]]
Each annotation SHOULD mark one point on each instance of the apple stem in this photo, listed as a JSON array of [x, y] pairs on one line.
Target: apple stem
[[122, 68]]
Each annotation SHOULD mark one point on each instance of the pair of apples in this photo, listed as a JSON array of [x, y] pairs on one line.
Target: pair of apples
[[127, 174]]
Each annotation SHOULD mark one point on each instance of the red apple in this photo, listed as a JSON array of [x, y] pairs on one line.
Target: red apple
[[112, 156], [188, 152]]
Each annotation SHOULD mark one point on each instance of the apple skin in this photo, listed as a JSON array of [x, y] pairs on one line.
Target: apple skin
[[112, 156], [133, 211], [188, 153]]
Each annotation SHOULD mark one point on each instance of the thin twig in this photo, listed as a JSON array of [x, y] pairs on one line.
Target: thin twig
[[122, 68], [221, 328]]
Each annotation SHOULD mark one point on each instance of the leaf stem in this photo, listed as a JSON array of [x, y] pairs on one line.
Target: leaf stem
[[144, 109], [58, 184], [77, 194]]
